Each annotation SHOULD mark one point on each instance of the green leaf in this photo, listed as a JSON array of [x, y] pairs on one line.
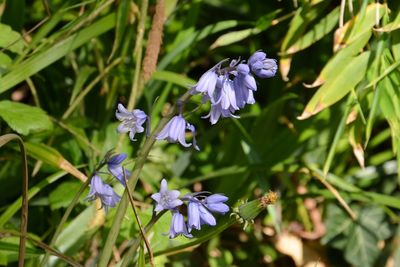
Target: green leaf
[[83, 75], [322, 28], [234, 37], [52, 157], [337, 87], [122, 19], [361, 249], [41, 60], [341, 60], [172, 77], [304, 16], [363, 22], [337, 224], [11, 40], [392, 26], [23, 118], [5, 63], [192, 37], [62, 196]]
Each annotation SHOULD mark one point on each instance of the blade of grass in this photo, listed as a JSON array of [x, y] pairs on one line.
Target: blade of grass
[[43, 246], [41, 60]]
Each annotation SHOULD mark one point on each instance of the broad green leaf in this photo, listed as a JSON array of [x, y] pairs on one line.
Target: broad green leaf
[[361, 249], [23, 118], [41, 60], [337, 223], [337, 87], [52, 157], [5, 63], [62, 196], [321, 29], [11, 40], [341, 60]]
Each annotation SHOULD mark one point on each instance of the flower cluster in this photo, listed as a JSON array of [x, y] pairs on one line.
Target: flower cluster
[[231, 88], [103, 191], [200, 209], [228, 89]]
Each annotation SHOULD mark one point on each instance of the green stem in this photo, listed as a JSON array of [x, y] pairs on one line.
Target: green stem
[[64, 219], [142, 232], [4, 139], [132, 250], [141, 159], [85, 91], [137, 54]]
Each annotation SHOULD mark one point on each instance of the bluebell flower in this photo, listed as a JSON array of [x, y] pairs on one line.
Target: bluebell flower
[[198, 215], [178, 226], [175, 130], [99, 189], [216, 111], [131, 121], [262, 66], [207, 82], [115, 168], [166, 199], [215, 203], [244, 85]]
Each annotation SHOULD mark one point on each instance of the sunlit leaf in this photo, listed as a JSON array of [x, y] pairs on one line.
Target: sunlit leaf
[[23, 118], [11, 40], [337, 87]]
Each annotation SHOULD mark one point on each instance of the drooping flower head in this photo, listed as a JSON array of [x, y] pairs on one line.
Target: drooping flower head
[[207, 82], [262, 66], [200, 209], [231, 88], [115, 168], [166, 199], [175, 131], [178, 226], [215, 203], [131, 121], [99, 189]]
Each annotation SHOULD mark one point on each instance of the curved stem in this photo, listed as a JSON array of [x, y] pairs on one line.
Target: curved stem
[[24, 210]]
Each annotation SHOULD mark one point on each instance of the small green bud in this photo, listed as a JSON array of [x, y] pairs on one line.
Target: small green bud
[[248, 211]]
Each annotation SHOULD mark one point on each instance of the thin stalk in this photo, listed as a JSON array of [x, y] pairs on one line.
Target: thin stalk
[[141, 159], [24, 210], [142, 232], [137, 84], [138, 51], [64, 219], [321, 178], [90, 86], [43, 246]]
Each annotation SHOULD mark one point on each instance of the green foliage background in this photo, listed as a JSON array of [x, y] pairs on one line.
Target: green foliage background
[[324, 133]]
